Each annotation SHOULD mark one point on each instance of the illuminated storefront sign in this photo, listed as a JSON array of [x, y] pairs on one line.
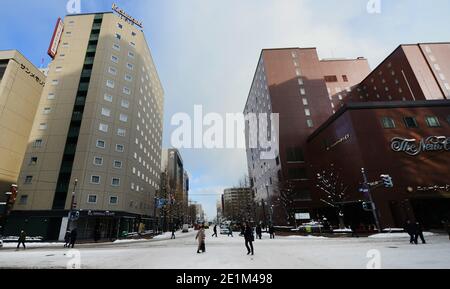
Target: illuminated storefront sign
[[127, 17], [413, 148]]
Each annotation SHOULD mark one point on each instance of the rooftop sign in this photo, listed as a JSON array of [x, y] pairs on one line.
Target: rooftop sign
[[126, 16]]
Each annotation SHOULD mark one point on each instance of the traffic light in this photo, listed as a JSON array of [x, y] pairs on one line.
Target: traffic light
[[367, 206], [387, 181]]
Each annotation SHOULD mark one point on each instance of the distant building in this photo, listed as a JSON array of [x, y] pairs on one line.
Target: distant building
[[238, 204]]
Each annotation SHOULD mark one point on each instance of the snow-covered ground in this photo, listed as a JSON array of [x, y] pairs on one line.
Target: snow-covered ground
[[392, 251]]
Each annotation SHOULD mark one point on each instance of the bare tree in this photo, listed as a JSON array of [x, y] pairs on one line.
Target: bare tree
[[330, 182]]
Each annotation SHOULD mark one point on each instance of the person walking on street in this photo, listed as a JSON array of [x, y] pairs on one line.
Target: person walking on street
[[259, 232], [230, 231], [419, 233], [215, 232], [201, 240], [67, 240], [173, 237], [73, 238], [22, 239], [249, 239], [411, 229], [272, 232]]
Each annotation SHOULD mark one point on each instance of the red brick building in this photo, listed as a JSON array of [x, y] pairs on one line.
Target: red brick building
[[306, 91], [410, 141]]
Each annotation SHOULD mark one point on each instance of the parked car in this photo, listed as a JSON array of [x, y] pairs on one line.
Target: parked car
[[185, 228], [224, 230]]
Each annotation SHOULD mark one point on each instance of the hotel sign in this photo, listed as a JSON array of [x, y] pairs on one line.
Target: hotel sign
[[413, 147], [126, 16], [56, 38]]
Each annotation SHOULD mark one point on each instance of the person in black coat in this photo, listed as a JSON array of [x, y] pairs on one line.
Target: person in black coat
[[249, 239], [259, 232], [419, 233], [215, 232], [411, 229], [22, 239], [73, 238], [67, 240], [272, 232]]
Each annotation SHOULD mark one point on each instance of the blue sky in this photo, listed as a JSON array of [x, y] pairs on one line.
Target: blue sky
[[206, 51]]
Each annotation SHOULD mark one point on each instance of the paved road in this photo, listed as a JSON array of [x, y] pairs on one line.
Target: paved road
[[230, 253]]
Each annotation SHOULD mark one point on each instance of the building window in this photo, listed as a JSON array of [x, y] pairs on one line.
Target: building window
[[302, 91], [307, 112], [103, 127], [33, 161], [132, 44], [130, 54], [121, 132], [95, 180], [112, 70], [125, 103], [305, 101], [297, 174], [110, 83], [117, 164], [310, 123], [28, 180], [300, 81], [133, 33], [411, 122], [345, 78], [298, 72], [118, 36], [128, 77], [92, 199], [120, 26], [388, 122], [114, 59], [98, 161], [295, 155], [113, 200], [106, 112], [43, 126], [126, 90], [115, 182], [100, 144], [51, 96], [108, 98], [23, 200], [38, 143], [116, 46], [123, 117], [432, 121], [120, 148], [331, 78], [130, 66]]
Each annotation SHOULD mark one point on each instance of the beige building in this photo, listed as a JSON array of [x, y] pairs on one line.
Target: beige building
[[98, 133], [238, 204], [21, 85]]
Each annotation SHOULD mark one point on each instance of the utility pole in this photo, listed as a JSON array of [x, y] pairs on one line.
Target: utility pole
[[374, 207]]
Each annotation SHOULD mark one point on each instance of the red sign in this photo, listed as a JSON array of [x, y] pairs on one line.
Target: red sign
[[56, 38]]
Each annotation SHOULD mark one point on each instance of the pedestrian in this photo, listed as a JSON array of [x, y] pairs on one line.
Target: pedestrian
[[215, 232], [22, 239], [73, 237], [201, 240], [259, 232], [419, 233], [230, 231], [272, 232], [354, 229], [67, 239], [411, 229], [249, 239], [173, 233]]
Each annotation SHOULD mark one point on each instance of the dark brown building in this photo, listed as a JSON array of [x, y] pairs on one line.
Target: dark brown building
[[410, 141], [297, 85]]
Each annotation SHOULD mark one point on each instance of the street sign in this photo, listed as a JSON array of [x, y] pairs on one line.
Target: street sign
[[302, 216]]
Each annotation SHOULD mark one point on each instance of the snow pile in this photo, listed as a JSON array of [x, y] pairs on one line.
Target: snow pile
[[32, 245], [303, 237], [129, 241], [343, 231], [396, 235], [393, 230]]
